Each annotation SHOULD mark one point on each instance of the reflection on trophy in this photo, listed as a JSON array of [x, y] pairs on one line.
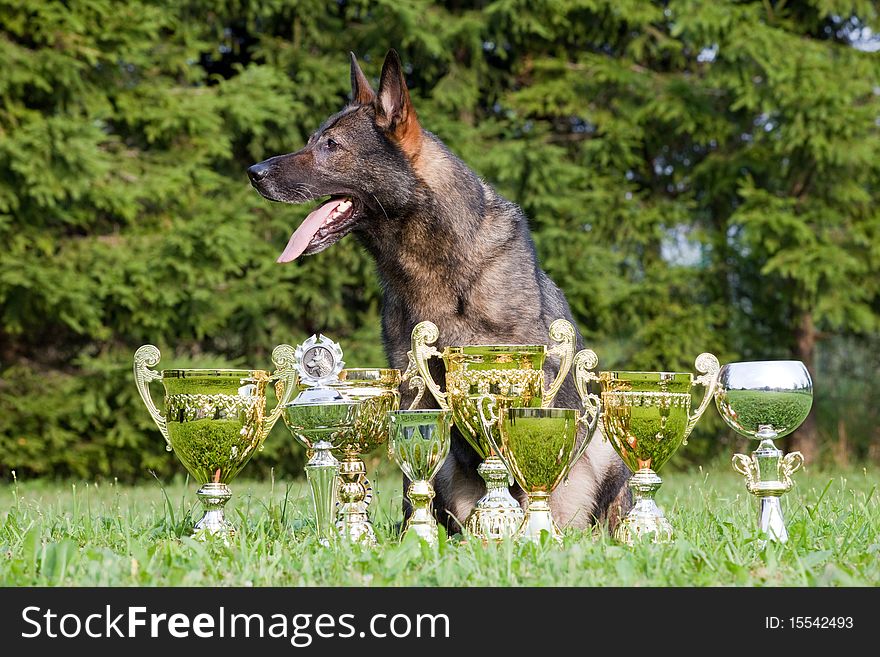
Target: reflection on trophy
[[646, 416], [764, 401], [539, 446], [376, 391], [419, 444], [317, 424], [214, 421], [510, 373]]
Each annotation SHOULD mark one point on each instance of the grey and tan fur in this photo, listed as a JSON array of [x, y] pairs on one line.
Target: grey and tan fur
[[448, 249]]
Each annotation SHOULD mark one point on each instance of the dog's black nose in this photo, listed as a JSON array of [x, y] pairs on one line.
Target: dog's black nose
[[257, 172]]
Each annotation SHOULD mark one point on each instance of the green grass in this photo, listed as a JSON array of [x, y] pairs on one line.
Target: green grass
[[104, 534]]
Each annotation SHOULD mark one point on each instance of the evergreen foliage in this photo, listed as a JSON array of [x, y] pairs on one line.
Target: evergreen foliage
[[698, 176]]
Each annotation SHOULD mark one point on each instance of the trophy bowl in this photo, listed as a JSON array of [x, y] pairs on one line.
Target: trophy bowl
[[214, 421], [377, 390], [647, 416], [539, 445], [766, 400], [513, 373], [419, 443], [761, 397]]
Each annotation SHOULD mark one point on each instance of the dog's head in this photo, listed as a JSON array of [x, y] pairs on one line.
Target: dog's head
[[360, 158]]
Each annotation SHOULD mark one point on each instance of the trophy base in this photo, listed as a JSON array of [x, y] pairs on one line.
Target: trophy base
[[425, 531], [645, 522], [422, 522], [354, 524], [213, 497], [771, 521], [642, 526], [538, 520], [497, 515]]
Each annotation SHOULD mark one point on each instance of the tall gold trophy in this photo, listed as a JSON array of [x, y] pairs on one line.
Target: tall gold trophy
[[419, 444], [647, 416], [511, 373], [376, 391], [215, 420]]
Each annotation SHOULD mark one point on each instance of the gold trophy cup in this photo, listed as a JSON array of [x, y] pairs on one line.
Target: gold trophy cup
[[376, 391], [214, 421], [539, 446], [647, 416], [512, 372]]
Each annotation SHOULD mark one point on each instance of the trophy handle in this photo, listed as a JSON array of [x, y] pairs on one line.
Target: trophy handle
[[285, 377], [416, 382], [584, 362], [424, 335], [562, 333], [146, 357], [484, 402], [791, 464], [707, 364], [746, 467]]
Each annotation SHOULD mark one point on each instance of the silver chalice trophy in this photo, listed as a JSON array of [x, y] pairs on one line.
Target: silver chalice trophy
[[766, 400], [319, 418]]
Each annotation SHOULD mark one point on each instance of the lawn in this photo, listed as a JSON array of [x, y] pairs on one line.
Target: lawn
[[109, 534]]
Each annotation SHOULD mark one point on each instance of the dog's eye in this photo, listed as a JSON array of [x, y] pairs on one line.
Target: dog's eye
[[331, 145]]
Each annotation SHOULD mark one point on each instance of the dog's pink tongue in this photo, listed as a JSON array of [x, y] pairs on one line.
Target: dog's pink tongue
[[303, 235]]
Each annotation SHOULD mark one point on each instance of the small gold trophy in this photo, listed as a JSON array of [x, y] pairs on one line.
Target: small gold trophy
[[214, 421], [766, 400], [647, 416], [539, 446], [510, 372], [419, 444]]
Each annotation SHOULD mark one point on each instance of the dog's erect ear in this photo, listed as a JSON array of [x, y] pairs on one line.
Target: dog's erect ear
[[361, 91], [394, 110]]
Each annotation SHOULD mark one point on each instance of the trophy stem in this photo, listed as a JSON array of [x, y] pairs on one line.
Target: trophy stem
[[352, 520], [497, 514], [322, 472], [538, 519], [213, 497], [646, 519], [422, 522], [768, 476]]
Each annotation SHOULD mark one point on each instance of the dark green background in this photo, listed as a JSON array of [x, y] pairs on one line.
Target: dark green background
[[698, 176]]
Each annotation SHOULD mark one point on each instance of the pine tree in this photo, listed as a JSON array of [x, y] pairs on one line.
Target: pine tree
[[698, 176]]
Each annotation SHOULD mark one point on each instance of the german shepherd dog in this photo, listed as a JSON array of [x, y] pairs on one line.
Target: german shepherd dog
[[448, 249]]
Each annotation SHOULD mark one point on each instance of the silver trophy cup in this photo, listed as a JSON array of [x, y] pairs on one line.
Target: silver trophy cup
[[766, 400]]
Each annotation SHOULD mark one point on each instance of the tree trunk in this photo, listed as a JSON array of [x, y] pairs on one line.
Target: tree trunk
[[806, 438]]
